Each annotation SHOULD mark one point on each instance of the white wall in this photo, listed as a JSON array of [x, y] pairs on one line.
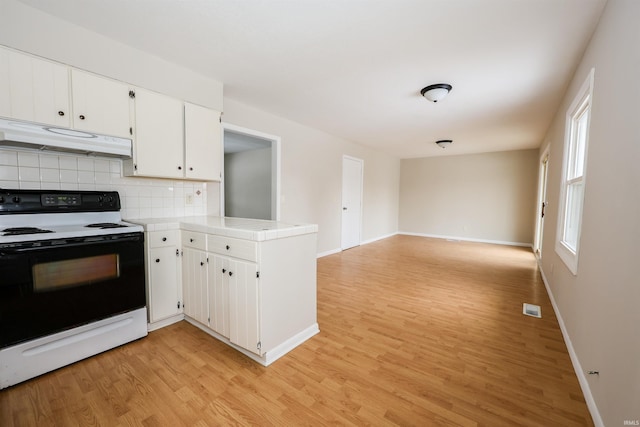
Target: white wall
[[488, 197], [599, 305], [311, 177], [247, 184]]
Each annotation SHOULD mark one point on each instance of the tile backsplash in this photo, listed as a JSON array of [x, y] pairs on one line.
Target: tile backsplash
[[139, 197]]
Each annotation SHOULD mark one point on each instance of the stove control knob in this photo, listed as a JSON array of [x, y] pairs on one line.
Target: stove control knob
[[16, 199]]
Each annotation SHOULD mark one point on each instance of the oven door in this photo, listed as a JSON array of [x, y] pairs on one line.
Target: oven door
[[54, 285]]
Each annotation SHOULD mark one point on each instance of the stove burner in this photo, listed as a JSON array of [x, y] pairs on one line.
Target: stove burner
[[103, 225], [16, 231]]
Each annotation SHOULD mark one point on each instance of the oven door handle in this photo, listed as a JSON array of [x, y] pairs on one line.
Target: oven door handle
[[71, 243]]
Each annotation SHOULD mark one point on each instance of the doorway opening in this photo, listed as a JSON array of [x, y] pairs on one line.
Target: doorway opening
[[542, 202], [251, 177]]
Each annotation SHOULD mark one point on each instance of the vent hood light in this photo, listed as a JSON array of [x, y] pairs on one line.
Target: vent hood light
[[14, 133]]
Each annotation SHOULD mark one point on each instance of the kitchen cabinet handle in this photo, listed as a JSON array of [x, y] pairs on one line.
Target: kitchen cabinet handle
[[61, 113], [228, 247], [179, 168], [191, 240], [81, 116], [201, 263], [157, 259], [164, 239], [230, 273], [224, 271], [190, 169]]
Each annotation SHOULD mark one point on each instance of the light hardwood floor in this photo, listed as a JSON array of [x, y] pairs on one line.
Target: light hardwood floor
[[414, 331]]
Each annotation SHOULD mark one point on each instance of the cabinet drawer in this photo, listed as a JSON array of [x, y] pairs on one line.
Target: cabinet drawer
[[160, 239], [194, 240], [237, 248]]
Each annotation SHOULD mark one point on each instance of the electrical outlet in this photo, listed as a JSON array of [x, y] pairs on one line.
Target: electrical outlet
[[188, 199]]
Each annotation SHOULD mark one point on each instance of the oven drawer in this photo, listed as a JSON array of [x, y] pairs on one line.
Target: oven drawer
[[237, 248], [161, 239], [194, 240]]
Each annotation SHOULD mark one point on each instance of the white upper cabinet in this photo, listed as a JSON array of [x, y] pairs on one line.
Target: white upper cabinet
[[175, 139], [159, 136], [100, 105], [34, 89], [203, 143]]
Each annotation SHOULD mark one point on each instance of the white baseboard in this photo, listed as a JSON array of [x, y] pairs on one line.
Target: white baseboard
[[327, 253], [272, 355], [468, 239], [165, 322], [577, 367], [366, 242]]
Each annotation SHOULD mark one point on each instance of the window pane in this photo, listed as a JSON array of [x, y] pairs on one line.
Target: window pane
[[573, 213], [580, 143]]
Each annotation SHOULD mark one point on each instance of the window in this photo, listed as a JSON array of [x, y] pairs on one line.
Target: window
[[573, 175]]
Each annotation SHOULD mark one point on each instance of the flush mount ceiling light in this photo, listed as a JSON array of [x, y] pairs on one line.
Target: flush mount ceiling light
[[444, 143], [437, 92]]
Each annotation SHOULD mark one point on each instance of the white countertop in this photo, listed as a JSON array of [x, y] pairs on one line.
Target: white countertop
[[240, 228]]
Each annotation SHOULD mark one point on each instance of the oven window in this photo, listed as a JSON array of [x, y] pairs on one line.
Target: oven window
[[75, 272]]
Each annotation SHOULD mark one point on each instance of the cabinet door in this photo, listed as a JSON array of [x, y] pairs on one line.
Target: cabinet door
[[164, 299], [33, 89], [219, 294], [194, 284], [203, 143], [244, 305], [159, 135], [100, 105]]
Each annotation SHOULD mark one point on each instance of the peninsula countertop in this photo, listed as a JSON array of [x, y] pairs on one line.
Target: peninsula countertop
[[241, 228]]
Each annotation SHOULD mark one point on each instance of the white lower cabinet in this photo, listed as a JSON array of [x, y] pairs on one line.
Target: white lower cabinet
[[234, 301], [218, 277], [164, 278], [194, 277]]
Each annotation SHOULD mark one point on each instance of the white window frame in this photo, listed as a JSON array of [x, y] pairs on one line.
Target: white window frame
[[569, 251]]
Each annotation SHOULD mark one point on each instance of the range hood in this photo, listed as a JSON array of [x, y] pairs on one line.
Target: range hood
[[14, 133]]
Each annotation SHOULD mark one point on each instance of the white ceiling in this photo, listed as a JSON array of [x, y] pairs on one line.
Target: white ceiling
[[354, 68]]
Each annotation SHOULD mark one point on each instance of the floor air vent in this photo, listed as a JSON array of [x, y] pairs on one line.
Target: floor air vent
[[531, 310]]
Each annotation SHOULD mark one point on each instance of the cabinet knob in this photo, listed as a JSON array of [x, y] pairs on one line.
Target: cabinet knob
[[201, 263], [157, 259], [231, 273], [228, 247], [164, 239], [190, 169], [61, 113], [179, 168], [224, 271], [81, 116], [191, 240]]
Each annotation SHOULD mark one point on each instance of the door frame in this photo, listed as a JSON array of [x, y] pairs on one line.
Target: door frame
[[542, 203], [275, 165], [360, 193]]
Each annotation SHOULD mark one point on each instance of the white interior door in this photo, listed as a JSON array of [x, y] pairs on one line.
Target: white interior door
[[351, 201], [542, 203]]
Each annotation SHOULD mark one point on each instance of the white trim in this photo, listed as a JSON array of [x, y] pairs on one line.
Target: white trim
[[272, 355], [584, 94], [375, 239], [165, 322], [577, 367], [543, 182], [468, 239], [276, 162], [327, 253]]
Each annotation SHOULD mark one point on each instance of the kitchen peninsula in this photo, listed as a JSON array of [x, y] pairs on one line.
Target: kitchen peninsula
[[249, 283]]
